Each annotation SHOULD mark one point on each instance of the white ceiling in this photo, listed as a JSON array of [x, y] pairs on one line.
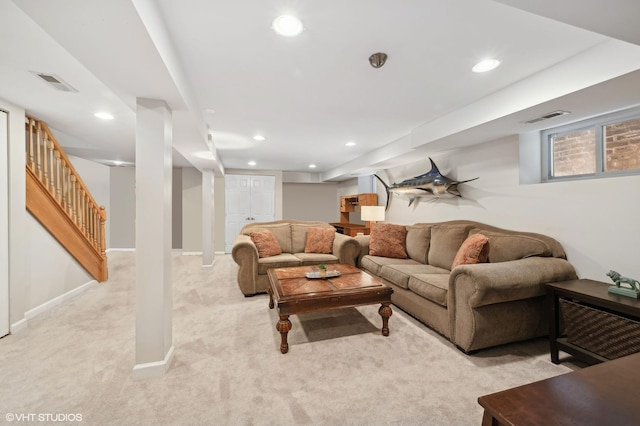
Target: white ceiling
[[311, 94]]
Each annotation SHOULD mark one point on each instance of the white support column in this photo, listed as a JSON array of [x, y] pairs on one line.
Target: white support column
[[208, 219], [154, 347]]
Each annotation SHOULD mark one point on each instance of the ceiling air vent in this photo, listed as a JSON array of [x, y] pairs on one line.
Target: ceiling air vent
[[55, 82], [547, 116]]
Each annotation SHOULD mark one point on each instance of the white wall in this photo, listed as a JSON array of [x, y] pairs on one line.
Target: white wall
[[122, 184], [52, 271], [595, 220], [311, 201], [191, 210]]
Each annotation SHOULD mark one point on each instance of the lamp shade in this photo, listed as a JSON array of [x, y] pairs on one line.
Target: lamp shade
[[372, 213]]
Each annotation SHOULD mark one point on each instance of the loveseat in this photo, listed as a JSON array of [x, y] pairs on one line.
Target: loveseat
[[496, 301], [291, 236]]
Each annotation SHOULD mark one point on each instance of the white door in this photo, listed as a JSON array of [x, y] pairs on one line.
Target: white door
[[4, 225], [248, 199]]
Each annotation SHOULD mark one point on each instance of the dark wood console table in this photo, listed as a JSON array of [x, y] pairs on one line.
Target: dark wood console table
[[604, 394], [601, 308]]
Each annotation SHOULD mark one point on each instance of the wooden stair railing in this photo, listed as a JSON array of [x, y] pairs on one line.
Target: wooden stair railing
[[58, 198]]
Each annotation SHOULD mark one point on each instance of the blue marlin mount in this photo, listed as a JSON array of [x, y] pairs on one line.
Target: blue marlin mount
[[431, 183]]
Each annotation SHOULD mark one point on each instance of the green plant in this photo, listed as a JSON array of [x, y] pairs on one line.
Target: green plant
[[322, 266]]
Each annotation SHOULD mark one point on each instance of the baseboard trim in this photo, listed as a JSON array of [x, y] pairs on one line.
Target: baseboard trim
[[19, 326], [192, 253], [220, 252], [155, 369], [210, 265], [120, 249], [32, 313]]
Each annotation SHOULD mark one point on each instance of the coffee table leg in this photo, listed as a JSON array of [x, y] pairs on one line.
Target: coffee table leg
[[283, 326], [385, 313], [270, 298]]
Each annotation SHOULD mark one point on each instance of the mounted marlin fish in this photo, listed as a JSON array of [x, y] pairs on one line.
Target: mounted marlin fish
[[433, 182]]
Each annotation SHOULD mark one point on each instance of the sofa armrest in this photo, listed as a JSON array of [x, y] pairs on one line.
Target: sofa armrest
[[346, 248], [245, 254], [489, 283], [479, 295], [363, 241]]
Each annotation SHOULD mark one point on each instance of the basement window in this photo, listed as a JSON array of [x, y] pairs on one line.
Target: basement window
[[603, 146]]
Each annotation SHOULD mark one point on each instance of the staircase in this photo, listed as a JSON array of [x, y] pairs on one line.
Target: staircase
[[60, 201]]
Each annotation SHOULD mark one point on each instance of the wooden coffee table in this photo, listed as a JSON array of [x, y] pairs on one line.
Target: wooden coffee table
[[293, 293]]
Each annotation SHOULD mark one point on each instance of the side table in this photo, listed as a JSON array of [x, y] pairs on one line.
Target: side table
[[604, 394], [602, 312]]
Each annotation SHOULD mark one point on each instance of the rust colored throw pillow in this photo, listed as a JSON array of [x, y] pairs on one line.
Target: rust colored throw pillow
[[475, 249], [266, 243], [387, 240], [320, 240]]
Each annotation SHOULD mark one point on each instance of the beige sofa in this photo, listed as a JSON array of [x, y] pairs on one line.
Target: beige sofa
[[291, 235], [475, 306]]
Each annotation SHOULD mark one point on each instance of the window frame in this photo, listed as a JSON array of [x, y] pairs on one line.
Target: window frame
[[598, 123]]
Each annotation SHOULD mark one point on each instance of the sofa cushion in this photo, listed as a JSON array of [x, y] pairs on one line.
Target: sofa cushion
[[315, 258], [433, 287], [319, 240], [266, 243], [506, 247], [387, 240], [282, 232], [475, 249], [417, 242], [283, 260], [373, 264], [399, 274], [444, 244]]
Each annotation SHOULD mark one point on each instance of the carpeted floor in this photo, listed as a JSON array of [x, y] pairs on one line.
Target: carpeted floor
[[77, 359]]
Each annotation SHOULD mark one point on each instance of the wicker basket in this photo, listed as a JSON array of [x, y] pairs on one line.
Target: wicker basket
[[608, 335]]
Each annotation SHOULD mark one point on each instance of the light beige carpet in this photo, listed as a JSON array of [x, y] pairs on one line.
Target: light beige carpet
[[228, 370]]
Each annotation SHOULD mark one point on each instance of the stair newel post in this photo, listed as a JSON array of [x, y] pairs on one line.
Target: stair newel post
[[103, 241]]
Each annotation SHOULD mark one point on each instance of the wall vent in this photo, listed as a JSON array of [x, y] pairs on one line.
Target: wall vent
[[55, 82], [547, 116]]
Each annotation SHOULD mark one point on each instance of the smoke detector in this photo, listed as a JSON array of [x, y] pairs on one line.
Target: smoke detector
[[55, 82]]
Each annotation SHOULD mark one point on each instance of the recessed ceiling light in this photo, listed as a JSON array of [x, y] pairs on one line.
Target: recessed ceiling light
[[312, 166], [251, 163], [350, 143], [259, 138], [103, 115], [485, 65], [287, 25]]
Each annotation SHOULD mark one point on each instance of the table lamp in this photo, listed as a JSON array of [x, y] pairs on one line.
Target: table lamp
[[371, 214]]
